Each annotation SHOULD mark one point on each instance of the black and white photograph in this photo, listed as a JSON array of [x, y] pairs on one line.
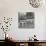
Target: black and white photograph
[[26, 20]]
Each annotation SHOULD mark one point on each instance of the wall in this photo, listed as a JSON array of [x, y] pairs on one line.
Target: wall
[[10, 8]]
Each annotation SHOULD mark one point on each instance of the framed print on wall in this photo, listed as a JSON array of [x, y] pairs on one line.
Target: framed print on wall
[[26, 20]]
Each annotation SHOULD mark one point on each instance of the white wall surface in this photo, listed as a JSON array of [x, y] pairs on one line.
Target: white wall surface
[[10, 8]]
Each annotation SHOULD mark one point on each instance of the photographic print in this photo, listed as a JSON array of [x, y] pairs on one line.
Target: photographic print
[[26, 20]]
